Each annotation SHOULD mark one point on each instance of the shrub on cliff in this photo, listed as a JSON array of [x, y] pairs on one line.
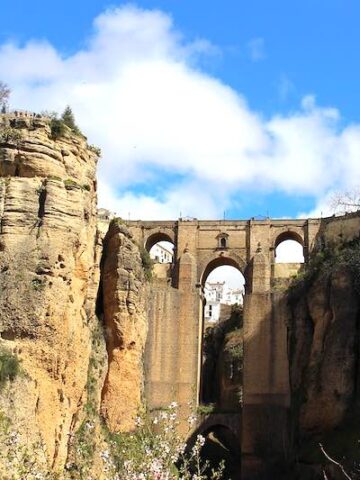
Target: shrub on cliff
[[325, 262], [58, 125], [9, 135], [9, 366], [147, 263]]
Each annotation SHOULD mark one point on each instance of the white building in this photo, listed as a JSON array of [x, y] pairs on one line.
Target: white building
[[160, 254], [218, 293]]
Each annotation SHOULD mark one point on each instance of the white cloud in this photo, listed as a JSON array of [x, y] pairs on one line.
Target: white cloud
[[138, 92]]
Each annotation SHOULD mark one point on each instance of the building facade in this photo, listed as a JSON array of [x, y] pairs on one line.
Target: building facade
[[217, 294]]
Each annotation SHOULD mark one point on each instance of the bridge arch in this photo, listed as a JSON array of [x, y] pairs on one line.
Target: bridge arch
[[156, 237], [215, 260], [288, 235], [289, 248], [220, 305], [222, 434]]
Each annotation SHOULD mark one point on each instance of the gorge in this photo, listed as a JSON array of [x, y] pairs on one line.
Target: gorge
[[99, 333]]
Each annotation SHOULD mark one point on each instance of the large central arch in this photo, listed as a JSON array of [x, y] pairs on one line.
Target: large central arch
[[208, 366], [219, 260]]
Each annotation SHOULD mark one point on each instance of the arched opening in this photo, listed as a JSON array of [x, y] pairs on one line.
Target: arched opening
[[221, 444], [223, 286], [161, 248], [289, 248]]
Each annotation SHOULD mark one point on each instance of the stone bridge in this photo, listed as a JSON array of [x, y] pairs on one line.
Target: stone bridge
[[174, 348]]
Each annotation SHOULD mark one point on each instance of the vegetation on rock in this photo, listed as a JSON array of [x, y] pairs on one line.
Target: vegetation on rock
[[153, 451], [60, 125], [69, 120], [9, 366], [147, 263], [9, 135], [326, 261], [95, 149]]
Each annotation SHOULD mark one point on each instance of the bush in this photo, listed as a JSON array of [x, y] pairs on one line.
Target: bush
[[206, 409], [9, 366], [325, 262], [155, 450], [147, 263], [57, 127], [10, 135], [95, 149], [69, 183]]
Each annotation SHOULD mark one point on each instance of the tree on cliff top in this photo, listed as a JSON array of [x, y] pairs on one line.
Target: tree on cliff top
[[68, 118], [4, 95]]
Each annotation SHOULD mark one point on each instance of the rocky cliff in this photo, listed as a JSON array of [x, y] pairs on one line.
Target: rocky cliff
[[123, 304], [324, 352], [72, 302], [49, 271]]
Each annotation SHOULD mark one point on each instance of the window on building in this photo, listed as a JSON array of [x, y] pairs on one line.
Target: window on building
[[223, 242]]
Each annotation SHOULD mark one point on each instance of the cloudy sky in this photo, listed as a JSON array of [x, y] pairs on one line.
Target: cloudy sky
[[201, 108]]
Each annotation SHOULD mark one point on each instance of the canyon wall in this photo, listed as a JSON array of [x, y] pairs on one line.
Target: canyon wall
[[72, 300], [49, 270], [123, 300], [323, 325]]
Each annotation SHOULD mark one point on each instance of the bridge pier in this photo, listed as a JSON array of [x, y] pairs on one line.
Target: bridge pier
[[266, 398]]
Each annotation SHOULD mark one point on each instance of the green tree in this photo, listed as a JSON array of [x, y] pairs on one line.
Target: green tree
[[68, 118]]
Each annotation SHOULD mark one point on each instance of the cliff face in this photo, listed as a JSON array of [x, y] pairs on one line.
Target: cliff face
[[123, 300], [325, 350], [324, 353], [48, 277]]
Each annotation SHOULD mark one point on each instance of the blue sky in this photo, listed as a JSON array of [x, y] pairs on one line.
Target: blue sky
[[245, 107]]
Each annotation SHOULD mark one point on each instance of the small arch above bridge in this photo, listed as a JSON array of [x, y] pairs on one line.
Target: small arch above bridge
[[156, 237], [288, 235]]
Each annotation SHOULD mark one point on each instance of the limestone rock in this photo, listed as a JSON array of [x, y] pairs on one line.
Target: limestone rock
[[48, 277], [124, 296], [324, 353]]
